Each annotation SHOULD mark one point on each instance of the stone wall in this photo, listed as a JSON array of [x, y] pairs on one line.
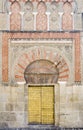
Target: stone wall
[[3, 21], [71, 106], [13, 106], [0, 56]]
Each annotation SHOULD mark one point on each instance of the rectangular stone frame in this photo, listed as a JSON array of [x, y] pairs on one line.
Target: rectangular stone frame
[[57, 44], [37, 35], [56, 103]]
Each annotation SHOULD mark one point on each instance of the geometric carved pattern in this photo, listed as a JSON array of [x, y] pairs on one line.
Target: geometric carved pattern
[[41, 17], [29, 21], [15, 17], [54, 17], [67, 19]]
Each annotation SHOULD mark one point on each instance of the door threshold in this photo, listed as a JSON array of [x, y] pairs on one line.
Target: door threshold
[[41, 126]]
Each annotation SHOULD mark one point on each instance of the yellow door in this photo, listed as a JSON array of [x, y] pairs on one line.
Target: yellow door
[[47, 105], [41, 105], [34, 105]]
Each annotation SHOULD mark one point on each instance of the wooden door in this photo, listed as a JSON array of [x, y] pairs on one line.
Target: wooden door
[[41, 104]]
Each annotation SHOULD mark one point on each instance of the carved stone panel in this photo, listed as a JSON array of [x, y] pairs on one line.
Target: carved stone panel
[[22, 54], [28, 19], [54, 17]]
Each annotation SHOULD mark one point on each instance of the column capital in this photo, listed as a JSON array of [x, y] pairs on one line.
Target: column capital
[[48, 13], [35, 13], [9, 13], [60, 13], [22, 13], [72, 13]]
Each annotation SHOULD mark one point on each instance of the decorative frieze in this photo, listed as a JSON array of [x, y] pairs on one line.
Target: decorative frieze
[[22, 17]]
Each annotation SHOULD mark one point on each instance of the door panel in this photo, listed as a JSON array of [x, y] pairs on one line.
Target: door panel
[[47, 105], [41, 105], [34, 105]]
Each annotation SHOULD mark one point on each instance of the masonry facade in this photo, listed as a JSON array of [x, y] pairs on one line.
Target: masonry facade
[[41, 67]]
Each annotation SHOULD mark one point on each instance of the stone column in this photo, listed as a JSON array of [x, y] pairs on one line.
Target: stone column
[[73, 19], [82, 21], [35, 14], [60, 21], [22, 21], [57, 104], [8, 21], [0, 57], [48, 14], [26, 103]]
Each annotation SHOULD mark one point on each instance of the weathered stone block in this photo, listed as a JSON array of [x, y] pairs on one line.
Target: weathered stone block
[[5, 116], [75, 116], [25, 107], [20, 117], [63, 98], [3, 21], [62, 118], [75, 106], [1, 5], [78, 22], [69, 116], [19, 106], [80, 6], [2, 106], [20, 98], [62, 108], [75, 98], [3, 125], [81, 116], [81, 106], [69, 98], [9, 107], [80, 123]]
